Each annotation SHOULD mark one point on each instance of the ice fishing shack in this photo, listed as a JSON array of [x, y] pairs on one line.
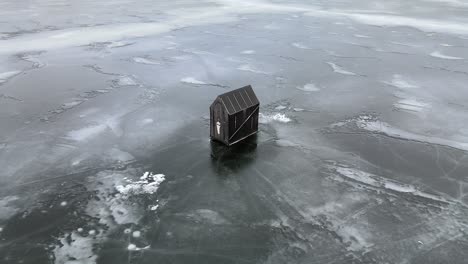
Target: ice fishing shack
[[234, 115]]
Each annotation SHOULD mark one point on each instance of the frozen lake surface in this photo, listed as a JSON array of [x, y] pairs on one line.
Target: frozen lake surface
[[361, 155]]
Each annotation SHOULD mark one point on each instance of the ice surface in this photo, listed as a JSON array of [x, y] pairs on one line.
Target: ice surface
[[360, 155], [86, 133]]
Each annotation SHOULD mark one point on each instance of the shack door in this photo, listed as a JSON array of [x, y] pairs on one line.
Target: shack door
[[218, 122]]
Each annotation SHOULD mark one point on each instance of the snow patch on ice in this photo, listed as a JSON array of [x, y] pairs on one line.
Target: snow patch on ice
[[272, 26], [126, 81], [207, 215], [136, 234], [411, 105], [338, 69], [299, 45], [250, 68], [32, 58], [78, 249], [455, 3], [427, 25], [309, 87], [358, 175], [88, 112], [361, 36], [198, 52], [72, 104], [145, 61], [399, 82], [147, 121], [133, 247], [5, 76], [248, 52], [356, 239], [192, 80], [119, 155], [384, 183], [280, 107], [405, 44], [7, 210], [91, 131], [277, 117], [439, 55], [148, 184], [386, 129], [86, 133], [286, 143], [113, 207]]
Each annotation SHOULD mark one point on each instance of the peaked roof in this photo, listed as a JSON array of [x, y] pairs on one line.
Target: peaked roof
[[239, 99]]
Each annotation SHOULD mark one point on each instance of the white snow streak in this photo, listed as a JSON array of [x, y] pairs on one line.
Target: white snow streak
[[399, 82], [411, 105], [145, 61], [5, 76], [191, 80], [309, 87], [250, 68], [299, 45], [439, 55], [339, 69], [248, 52]]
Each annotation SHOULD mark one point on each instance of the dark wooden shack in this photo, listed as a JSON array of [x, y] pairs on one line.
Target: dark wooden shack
[[234, 115]]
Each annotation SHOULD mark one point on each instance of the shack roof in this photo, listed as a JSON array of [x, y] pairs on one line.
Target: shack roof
[[239, 99]]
